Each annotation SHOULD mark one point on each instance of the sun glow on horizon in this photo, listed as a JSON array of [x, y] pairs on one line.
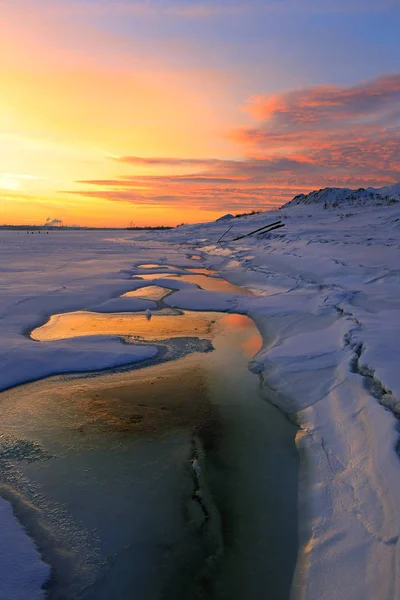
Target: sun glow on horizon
[[112, 113]]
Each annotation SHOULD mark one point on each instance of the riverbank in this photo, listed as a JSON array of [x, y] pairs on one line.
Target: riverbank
[[326, 303], [328, 290]]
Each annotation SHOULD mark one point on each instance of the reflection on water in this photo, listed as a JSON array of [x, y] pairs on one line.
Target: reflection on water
[[159, 326], [148, 276], [212, 284], [112, 499], [156, 266], [149, 292], [202, 271]]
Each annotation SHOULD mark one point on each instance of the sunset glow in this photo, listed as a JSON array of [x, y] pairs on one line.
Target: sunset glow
[[165, 112]]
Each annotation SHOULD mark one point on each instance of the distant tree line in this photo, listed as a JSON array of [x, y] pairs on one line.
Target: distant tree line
[[153, 227], [69, 228], [247, 214]]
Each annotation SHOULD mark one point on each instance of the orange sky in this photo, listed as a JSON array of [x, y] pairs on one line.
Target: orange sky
[[87, 103], [68, 108]]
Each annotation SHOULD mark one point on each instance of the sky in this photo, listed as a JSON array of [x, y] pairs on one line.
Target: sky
[[161, 112]]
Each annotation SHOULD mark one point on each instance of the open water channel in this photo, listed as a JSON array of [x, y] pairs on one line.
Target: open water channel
[[171, 481]]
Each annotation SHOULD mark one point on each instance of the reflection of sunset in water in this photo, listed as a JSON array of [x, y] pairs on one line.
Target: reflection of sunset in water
[[238, 321], [202, 271], [159, 326], [123, 443], [211, 284], [250, 340], [150, 276], [251, 345], [156, 266], [149, 292]]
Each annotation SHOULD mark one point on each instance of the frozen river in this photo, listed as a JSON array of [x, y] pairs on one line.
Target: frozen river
[[174, 480]]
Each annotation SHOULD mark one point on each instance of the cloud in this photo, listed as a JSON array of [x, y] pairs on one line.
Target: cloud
[[214, 167], [324, 105], [353, 128], [301, 140], [215, 185], [168, 162], [207, 200]]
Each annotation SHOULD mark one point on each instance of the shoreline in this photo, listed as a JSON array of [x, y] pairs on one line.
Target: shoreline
[[350, 470], [231, 457], [327, 301]]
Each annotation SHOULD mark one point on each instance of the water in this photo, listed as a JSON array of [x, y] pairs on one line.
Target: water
[[156, 266], [100, 470], [203, 281], [140, 326]]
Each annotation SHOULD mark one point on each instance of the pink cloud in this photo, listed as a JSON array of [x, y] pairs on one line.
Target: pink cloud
[[354, 129], [301, 140], [325, 105]]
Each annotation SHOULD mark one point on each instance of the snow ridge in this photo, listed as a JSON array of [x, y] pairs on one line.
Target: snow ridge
[[331, 197], [328, 306]]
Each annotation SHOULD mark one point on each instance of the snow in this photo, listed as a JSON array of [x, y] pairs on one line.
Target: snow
[[40, 276], [327, 303], [344, 196], [22, 572], [390, 190], [326, 300]]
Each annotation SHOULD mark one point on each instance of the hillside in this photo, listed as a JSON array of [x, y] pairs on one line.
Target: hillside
[[335, 197]]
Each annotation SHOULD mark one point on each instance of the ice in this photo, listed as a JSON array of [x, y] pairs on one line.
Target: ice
[[327, 286], [42, 275], [326, 300]]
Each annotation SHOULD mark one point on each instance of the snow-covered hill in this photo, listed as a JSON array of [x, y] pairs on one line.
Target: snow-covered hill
[[335, 197], [390, 190]]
